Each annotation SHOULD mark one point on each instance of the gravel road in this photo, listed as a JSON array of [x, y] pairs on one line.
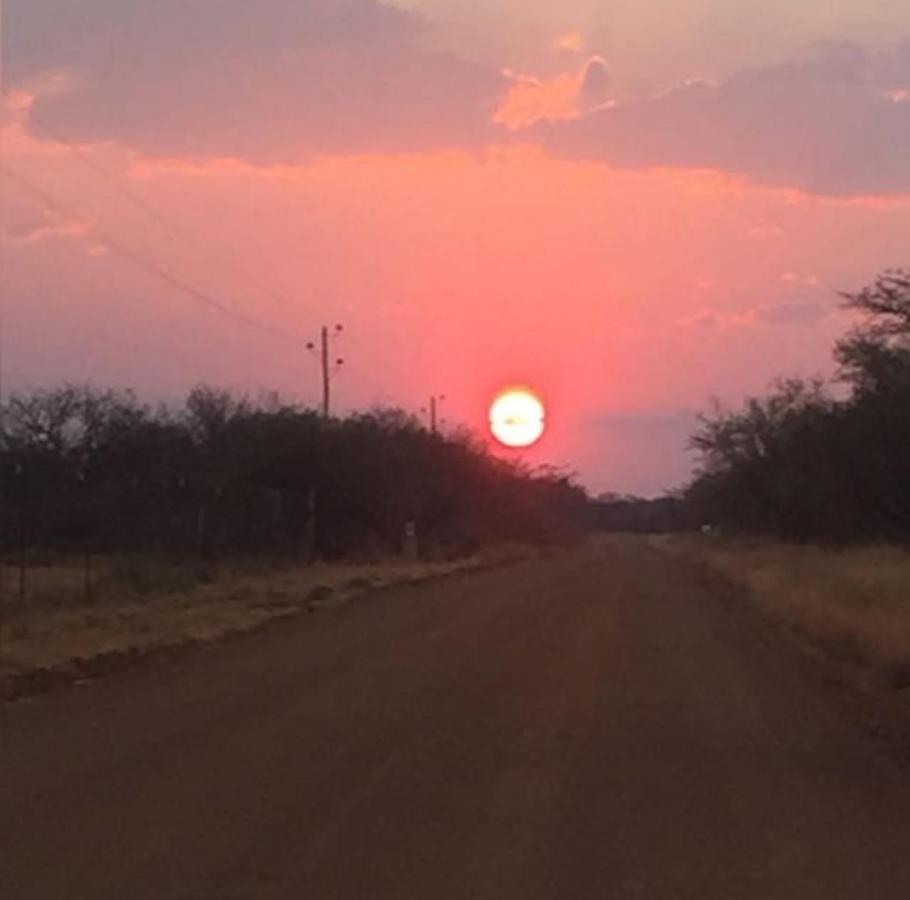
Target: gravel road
[[600, 725]]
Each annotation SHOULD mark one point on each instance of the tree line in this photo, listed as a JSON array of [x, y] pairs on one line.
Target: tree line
[[221, 475], [814, 460], [639, 515]]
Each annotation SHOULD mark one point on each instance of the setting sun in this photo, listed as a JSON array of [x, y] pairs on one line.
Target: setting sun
[[517, 418]]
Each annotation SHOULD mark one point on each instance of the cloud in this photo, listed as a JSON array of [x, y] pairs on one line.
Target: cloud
[[49, 226], [794, 313], [595, 84], [271, 81], [572, 42], [565, 96], [834, 124]]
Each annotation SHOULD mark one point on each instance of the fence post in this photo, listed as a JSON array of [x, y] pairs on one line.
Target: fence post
[[410, 546], [310, 549], [23, 561], [200, 532], [87, 576]]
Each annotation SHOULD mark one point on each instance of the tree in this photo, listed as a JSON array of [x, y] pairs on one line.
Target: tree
[[875, 356], [228, 475], [801, 466]]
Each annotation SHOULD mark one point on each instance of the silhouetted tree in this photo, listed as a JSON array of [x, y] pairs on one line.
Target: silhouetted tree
[[227, 475], [802, 466]]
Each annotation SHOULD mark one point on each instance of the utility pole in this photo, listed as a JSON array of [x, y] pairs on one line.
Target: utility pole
[[435, 400], [326, 364], [327, 369], [326, 389]]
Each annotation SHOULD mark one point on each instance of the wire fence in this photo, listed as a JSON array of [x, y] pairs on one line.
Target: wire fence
[[43, 577]]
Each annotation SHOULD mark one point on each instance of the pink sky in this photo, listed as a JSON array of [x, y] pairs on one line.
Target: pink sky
[[486, 197]]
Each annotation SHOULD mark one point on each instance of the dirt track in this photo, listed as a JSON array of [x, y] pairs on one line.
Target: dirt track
[[596, 727]]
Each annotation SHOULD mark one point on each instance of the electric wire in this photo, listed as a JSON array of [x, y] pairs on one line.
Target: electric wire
[[139, 202], [143, 262]]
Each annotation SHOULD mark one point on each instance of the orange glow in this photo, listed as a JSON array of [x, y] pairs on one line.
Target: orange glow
[[572, 42], [517, 418], [531, 100]]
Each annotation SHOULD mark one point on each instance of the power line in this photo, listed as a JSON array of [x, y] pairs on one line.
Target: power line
[[149, 266], [140, 203]]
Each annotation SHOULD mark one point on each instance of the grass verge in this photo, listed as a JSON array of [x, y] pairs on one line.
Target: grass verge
[[854, 603], [60, 634]]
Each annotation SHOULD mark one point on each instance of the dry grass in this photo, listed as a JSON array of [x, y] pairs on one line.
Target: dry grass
[[854, 603], [137, 613], [58, 583]]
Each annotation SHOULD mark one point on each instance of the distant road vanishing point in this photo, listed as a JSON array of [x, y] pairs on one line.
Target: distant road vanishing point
[[599, 725]]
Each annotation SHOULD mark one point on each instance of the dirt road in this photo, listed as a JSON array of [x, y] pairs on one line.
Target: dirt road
[[603, 726]]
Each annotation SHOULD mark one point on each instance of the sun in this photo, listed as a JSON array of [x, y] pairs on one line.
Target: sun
[[517, 418]]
